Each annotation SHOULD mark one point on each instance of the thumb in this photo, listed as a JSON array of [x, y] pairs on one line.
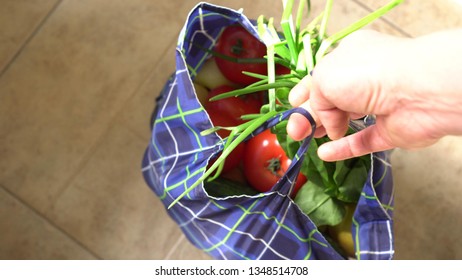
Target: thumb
[[299, 127]]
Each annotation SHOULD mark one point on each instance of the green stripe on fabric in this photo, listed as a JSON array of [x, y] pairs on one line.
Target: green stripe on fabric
[[198, 141], [375, 184], [279, 223], [246, 211], [198, 242], [169, 188], [196, 136], [187, 175], [385, 206], [238, 253], [156, 148], [268, 218], [193, 70], [373, 197], [357, 251], [217, 205], [308, 256], [176, 116], [381, 178], [305, 240], [229, 248]]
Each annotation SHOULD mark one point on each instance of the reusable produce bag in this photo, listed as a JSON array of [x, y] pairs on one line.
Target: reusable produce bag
[[263, 226]]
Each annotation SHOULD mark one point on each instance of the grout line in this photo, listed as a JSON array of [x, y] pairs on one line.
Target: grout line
[[138, 90], [385, 19], [174, 247], [137, 134], [99, 141], [59, 229], [29, 38]]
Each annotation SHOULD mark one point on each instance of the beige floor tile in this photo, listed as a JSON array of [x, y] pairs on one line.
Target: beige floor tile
[[27, 235], [109, 207], [19, 20], [61, 93], [137, 112], [428, 201], [344, 13], [417, 17]]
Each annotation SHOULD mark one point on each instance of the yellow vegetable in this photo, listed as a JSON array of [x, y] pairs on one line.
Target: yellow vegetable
[[210, 76], [201, 93], [341, 233]]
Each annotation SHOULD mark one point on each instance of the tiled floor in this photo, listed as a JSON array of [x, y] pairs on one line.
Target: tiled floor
[[77, 84]]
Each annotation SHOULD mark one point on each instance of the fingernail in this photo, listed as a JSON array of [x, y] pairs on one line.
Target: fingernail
[[324, 152], [293, 98]]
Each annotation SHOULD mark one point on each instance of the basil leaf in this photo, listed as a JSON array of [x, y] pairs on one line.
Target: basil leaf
[[325, 169], [350, 176], [321, 208]]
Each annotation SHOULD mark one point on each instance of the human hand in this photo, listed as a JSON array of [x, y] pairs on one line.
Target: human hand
[[396, 79]]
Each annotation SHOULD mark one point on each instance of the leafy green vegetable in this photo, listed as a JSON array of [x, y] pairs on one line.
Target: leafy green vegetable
[[319, 206], [324, 169], [341, 181], [350, 176]]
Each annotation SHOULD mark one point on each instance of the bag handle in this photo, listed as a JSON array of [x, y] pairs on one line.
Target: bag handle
[[286, 184]]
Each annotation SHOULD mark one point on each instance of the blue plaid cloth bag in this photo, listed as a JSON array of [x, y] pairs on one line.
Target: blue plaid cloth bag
[[264, 226]]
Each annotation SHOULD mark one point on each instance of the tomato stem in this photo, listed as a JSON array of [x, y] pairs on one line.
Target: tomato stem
[[238, 48], [274, 166]]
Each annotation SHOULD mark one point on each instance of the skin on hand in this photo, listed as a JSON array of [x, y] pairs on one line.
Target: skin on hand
[[412, 87]]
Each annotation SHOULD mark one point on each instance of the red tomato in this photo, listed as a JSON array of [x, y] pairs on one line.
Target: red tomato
[[234, 159], [265, 162], [233, 107], [281, 70], [237, 42]]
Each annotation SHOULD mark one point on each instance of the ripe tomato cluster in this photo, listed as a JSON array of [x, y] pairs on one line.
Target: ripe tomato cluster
[[261, 161]]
